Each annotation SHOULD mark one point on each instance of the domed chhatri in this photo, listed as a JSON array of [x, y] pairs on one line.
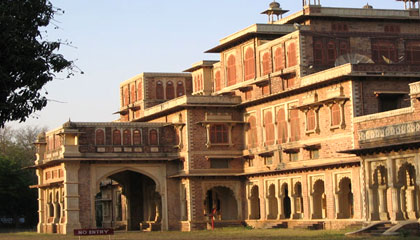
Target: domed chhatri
[[367, 6], [274, 9], [274, 4]]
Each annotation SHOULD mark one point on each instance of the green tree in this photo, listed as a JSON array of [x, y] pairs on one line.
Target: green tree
[[16, 153], [27, 62]]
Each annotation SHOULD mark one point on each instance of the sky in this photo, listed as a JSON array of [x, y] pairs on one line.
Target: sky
[[114, 40]]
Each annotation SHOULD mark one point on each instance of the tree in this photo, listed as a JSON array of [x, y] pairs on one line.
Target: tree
[[27, 62], [16, 153]]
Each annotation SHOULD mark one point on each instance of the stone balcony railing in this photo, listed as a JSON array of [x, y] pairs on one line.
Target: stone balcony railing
[[397, 132], [96, 140]]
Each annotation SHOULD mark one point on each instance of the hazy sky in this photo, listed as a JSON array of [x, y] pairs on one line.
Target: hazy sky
[[116, 39]]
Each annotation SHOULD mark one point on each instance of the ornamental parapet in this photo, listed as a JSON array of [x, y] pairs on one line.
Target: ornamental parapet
[[108, 141], [392, 133]]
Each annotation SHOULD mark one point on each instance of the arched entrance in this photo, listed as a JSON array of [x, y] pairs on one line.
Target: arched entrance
[[408, 190], [221, 202], [272, 202], [319, 201], [345, 199], [128, 200], [254, 203], [285, 198]]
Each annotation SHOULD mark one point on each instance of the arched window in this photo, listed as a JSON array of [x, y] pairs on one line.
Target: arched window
[[331, 52], [266, 63], [116, 137], [217, 82], [291, 55], [126, 96], [133, 94], [279, 59], [127, 137], [249, 64], [318, 52], [153, 137], [219, 133], [335, 115], [139, 91], [269, 128], [282, 126], [252, 132], [170, 90], [294, 125], [231, 70], [159, 90], [310, 120], [136, 137], [180, 89], [100, 137]]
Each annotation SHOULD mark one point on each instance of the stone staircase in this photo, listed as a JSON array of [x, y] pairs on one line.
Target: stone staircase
[[280, 225], [310, 226], [373, 229]]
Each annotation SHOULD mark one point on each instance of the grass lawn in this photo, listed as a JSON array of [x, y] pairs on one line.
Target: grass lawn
[[218, 234]]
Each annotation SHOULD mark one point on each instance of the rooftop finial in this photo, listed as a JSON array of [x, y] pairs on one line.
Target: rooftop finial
[[274, 9], [367, 6]]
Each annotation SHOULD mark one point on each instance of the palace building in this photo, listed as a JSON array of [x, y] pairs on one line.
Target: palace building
[[311, 120]]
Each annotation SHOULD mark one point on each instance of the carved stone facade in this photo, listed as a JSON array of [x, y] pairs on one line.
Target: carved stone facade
[[295, 125]]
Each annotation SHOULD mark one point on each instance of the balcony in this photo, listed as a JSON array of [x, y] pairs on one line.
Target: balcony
[[95, 142]]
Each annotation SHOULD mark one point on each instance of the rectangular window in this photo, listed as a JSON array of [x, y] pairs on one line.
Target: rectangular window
[[314, 153], [268, 160], [250, 162], [384, 51], [219, 163], [388, 102], [327, 50], [219, 133], [293, 156], [412, 52]]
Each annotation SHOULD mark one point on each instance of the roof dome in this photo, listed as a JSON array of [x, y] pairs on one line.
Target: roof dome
[[274, 4], [367, 6]]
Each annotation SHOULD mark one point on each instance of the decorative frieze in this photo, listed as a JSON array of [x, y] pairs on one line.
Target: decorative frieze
[[396, 130]]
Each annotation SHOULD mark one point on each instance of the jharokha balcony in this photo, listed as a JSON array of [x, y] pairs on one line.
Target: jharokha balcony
[[108, 141], [387, 130]]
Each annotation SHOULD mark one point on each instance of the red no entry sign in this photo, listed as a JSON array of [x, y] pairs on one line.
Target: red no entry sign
[[93, 232]]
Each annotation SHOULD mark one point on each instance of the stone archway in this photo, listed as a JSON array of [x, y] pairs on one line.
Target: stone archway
[[128, 200], [272, 202], [319, 208], [221, 202], [408, 191], [345, 199], [254, 203]]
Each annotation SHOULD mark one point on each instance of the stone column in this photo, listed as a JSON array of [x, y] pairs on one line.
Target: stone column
[[311, 206], [337, 205], [41, 204], [71, 197], [383, 214], [281, 207], [395, 192], [292, 200], [373, 214]]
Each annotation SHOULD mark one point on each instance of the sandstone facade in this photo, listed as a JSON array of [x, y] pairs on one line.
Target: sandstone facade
[[309, 120]]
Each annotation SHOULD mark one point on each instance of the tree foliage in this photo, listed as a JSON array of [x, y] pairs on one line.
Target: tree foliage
[[27, 61], [16, 153]]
